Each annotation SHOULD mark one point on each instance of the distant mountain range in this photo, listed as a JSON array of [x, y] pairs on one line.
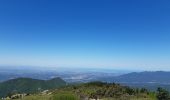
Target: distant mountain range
[[149, 80], [159, 77], [28, 85], [44, 79]]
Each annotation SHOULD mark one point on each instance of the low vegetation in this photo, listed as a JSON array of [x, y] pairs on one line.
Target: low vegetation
[[65, 96], [98, 91]]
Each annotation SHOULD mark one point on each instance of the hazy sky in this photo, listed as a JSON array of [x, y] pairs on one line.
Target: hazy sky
[[119, 34]]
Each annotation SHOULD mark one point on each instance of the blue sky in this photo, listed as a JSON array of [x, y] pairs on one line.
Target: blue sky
[[118, 34]]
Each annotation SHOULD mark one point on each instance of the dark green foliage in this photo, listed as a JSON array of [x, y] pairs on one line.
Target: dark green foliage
[[130, 91], [65, 96], [101, 90], [137, 90], [143, 90], [162, 94], [28, 85], [96, 83]]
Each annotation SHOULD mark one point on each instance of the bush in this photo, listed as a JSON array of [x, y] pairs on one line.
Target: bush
[[162, 94], [130, 91], [143, 90], [65, 96]]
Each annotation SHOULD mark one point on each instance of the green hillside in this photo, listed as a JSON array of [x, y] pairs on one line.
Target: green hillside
[[84, 91], [94, 91], [107, 91], [28, 85]]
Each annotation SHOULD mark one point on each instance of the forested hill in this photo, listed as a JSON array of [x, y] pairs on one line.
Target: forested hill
[[28, 85]]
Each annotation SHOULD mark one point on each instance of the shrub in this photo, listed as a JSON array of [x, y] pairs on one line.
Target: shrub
[[162, 94], [65, 96]]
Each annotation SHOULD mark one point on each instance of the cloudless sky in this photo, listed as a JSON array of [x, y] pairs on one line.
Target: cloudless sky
[[118, 34]]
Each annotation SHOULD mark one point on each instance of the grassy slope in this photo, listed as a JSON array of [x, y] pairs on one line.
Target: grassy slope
[[112, 92], [49, 97]]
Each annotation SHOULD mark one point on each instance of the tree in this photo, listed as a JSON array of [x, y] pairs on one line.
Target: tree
[[162, 94], [130, 91], [143, 90]]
